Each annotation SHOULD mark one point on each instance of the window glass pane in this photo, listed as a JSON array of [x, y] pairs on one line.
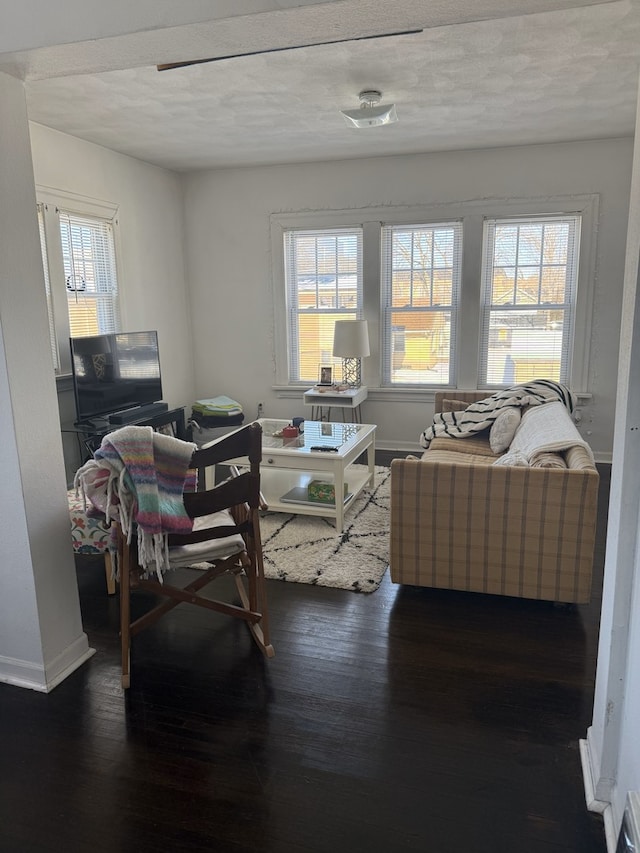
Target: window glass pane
[[443, 287], [506, 242], [402, 256], [503, 285], [556, 243], [443, 248], [347, 254], [553, 284], [90, 274], [401, 289], [528, 315], [524, 345], [323, 270], [306, 255], [529, 245], [420, 346], [420, 284]]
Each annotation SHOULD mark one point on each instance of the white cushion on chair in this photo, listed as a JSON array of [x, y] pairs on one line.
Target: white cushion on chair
[[211, 549]]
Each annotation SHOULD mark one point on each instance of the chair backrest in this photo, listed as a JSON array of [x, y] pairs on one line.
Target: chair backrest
[[242, 489]]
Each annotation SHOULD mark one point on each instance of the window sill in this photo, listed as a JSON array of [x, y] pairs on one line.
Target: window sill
[[401, 395]]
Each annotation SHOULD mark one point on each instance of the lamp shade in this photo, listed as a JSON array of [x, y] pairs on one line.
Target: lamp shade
[[351, 339]]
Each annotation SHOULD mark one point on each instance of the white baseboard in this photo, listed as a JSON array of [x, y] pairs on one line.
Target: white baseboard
[[44, 677], [400, 447], [594, 805], [604, 458]]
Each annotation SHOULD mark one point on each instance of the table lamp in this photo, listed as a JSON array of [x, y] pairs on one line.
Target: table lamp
[[351, 343]]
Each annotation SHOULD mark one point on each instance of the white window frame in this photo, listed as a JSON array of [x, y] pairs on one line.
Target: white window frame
[[515, 308], [295, 312], [586, 208], [315, 221], [472, 213], [386, 305], [50, 203]]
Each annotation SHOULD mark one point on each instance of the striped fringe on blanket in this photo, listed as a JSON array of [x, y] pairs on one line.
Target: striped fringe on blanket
[[480, 415]]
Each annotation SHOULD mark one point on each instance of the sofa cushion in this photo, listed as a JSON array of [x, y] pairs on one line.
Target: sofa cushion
[[453, 406], [452, 457], [503, 429], [475, 444]]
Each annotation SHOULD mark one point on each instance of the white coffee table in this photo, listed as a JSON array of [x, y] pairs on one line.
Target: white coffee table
[[289, 465]]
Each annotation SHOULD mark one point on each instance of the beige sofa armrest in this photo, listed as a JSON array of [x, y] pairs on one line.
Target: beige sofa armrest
[[525, 532]]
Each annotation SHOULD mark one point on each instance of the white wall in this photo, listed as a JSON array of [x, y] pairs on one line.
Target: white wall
[[226, 254], [151, 264], [611, 754], [229, 257], [41, 637]]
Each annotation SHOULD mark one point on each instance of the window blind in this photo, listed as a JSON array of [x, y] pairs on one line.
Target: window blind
[[323, 279], [529, 284], [88, 256], [421, 271]]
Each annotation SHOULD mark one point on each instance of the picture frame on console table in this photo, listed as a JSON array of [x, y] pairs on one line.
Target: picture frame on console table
[[326, 375]]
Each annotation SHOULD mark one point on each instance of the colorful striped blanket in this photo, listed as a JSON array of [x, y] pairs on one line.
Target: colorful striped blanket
[[137, 477], [480, 415]]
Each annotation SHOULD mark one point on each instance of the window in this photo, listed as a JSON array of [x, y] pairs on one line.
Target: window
[[529, 285], [421, 267], [79, 259], [323, 276], [478, 293]]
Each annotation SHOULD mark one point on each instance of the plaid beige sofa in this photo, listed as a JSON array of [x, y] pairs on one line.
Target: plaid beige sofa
[[459, 522]]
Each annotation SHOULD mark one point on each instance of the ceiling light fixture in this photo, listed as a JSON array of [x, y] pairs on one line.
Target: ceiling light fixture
[[371, 112]]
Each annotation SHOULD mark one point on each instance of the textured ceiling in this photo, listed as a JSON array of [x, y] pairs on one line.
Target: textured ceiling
[[545, 77]]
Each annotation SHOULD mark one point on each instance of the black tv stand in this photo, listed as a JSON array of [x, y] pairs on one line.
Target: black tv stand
[[91, 434], [135, 414], [85, 424]]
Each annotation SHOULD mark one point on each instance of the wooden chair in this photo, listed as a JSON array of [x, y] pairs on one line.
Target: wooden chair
[[226, 535]]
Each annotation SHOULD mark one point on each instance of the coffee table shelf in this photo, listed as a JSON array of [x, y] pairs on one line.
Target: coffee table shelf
[[277, 482]]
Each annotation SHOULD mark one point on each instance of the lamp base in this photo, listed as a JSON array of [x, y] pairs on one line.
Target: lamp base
[[351, 372]]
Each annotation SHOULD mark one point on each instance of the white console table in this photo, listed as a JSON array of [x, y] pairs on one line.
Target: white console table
[[322, 400]]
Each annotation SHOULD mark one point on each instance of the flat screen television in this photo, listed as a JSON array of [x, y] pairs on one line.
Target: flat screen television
[[115, 372]]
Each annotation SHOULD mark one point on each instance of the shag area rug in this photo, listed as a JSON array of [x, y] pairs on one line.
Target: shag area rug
[[307, 549]]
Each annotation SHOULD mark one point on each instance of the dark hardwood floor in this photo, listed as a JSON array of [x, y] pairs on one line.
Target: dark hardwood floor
[[405, 720]]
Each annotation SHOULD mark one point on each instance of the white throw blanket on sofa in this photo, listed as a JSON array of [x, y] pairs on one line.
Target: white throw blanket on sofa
[[543, 429]]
